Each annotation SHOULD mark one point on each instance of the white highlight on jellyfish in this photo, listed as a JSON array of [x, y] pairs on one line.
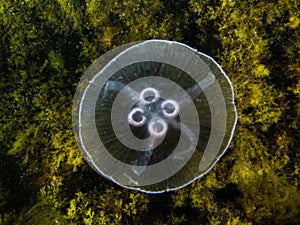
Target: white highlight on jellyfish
[[131, 181], [170, 108], [135, 119], [157, 127], [150, 92]]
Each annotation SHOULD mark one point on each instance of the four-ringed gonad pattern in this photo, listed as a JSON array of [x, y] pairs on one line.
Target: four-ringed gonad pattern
[[154, 115]]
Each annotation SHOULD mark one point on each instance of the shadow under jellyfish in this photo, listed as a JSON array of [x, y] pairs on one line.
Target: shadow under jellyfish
[[154, 115]]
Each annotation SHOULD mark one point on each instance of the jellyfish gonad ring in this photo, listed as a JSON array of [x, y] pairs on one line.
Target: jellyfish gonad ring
[[154, 115]]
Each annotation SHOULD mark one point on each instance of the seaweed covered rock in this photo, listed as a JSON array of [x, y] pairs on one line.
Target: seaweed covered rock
[[47, 45]]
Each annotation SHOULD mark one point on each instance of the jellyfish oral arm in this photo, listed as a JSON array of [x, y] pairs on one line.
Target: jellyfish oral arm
[[188, 134], [115, 86]]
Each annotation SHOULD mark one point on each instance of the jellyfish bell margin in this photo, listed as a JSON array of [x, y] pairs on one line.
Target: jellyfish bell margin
[[154, 115]]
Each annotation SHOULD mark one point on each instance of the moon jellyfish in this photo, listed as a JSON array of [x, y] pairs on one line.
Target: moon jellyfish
[[154, 116]]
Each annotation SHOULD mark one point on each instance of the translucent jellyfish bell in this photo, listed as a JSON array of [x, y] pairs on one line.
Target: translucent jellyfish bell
[[154, 115]]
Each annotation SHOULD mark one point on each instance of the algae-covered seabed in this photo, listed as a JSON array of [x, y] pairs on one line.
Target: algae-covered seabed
[[47, 45]]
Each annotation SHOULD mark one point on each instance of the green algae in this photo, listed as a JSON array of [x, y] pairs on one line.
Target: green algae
[[47, 45]]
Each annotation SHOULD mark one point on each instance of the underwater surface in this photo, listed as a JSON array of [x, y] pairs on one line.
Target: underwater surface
[[46, 46]]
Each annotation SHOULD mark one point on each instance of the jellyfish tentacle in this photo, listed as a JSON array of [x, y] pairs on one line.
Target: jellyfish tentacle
[[145, 159], [194, 91], [189, 135], [155, 136], [131, 180]]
